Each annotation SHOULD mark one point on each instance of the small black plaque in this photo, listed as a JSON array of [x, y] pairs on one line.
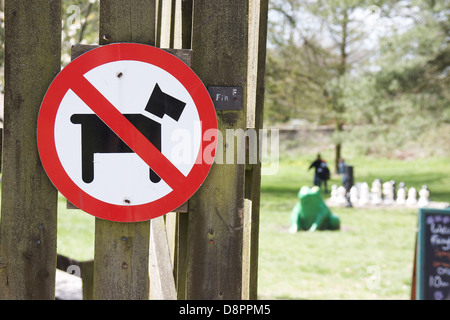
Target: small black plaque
[[226, 98]]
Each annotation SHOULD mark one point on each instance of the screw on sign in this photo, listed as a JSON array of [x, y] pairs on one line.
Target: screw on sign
[[109, 128]]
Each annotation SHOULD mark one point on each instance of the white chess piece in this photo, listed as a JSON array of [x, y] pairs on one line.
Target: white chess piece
[[401, 194], [354, 194], [388, 192], [412, 197], [376, 184], [333, 194], [376, 192], [424, 197], [341, 200], [364, 194]]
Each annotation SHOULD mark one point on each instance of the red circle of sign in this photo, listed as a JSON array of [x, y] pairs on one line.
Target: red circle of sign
[[46, 131]]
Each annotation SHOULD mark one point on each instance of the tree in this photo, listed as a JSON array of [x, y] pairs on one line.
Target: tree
[[297, 67], [296, 76], [334, 38], [347, 24], [404, 94]]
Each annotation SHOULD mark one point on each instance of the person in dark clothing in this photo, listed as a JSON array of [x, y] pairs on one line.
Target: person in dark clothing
[[316, 165], [321, 172]]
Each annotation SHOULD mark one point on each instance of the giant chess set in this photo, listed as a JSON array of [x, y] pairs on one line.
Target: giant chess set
[[382, 194]]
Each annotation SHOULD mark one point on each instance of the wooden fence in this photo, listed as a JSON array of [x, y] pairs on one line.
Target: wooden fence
[[206, 250]]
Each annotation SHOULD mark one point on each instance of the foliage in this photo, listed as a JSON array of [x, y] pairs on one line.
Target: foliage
[[296, 81], [383, 71], [79, 25], [406, 94]]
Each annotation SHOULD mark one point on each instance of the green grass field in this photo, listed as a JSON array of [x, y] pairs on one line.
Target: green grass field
[[371, 257], [76, 232]]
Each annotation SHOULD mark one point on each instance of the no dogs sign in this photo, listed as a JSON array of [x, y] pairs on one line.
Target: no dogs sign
[[127, 132]]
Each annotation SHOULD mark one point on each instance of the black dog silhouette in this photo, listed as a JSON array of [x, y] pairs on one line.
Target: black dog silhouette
[[97, 137]]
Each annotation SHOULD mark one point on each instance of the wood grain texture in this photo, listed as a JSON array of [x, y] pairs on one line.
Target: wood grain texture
[[29, 199], [215, 228], [122, 249], [255, 110]]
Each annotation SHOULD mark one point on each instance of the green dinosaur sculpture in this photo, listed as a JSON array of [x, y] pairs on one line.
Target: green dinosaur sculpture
[[311, 213]]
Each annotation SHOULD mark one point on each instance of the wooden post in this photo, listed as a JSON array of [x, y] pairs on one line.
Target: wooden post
[[186, 23], [216, 211], [174, 31], [165, 23], [182, 219], [161, 275], [122, 249], [29, 200], [255, 107], [127, 21]]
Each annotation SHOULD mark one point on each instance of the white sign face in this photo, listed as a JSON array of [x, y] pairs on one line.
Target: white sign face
[[123, 177], [120, 132]]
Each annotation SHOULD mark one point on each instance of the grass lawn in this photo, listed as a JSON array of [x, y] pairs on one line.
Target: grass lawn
[[371, 257], [76, 232]]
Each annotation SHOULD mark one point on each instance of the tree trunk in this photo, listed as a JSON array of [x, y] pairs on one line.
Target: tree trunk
[[340, 108]]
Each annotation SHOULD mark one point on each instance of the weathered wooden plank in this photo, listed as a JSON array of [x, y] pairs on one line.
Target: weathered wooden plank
[[122, 249], [159, 13], [177, 37], [255, 106], [87, 276], [183, 54], [127, 21], [162, 284], [121, 260], [180, 255], [79, 49], [186, 23], [165, 24], [215, 230], [29, 200], [181, 232], [177, 18]]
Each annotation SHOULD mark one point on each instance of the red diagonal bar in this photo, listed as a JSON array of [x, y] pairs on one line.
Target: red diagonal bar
[[126, 131]]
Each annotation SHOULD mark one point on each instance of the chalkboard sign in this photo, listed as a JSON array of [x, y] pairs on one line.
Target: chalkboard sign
[[433, 255]]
